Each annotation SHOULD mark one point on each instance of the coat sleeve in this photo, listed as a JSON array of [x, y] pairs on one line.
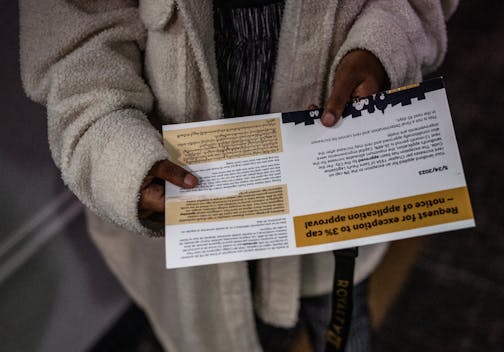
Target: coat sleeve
[[408, 37], [82, 59]]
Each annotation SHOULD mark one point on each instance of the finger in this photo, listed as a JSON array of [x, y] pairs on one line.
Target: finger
[[366, 88], [313, 107], [152, 198], [344, 85], [175, 174]]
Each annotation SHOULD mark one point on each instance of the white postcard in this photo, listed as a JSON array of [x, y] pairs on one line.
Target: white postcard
[[283, 184]]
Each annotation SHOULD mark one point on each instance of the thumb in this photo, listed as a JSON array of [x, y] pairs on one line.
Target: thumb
[[173, 173], [344, 85]]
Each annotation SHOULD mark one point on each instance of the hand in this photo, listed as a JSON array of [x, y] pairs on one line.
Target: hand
[[359, 74], [152, 192]]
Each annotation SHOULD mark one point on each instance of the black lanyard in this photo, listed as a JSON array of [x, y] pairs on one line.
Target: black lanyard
[[342, 303]]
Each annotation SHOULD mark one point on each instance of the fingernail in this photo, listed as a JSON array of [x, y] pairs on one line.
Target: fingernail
[[190, 180], [328, 119]]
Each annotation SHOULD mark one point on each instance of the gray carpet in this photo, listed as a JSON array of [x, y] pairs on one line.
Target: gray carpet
[[454, 298]]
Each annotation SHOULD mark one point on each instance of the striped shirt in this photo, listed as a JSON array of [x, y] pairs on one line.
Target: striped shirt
[[246, 41]]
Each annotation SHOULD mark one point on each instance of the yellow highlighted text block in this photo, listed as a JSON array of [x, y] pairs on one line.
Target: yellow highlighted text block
[[384, 217], [224, 142], [251, 203]]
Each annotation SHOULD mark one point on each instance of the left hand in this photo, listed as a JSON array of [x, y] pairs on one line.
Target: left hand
[[152, 191], [359, 74]]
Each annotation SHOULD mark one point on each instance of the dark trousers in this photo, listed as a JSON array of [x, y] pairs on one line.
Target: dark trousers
[[314, 316]]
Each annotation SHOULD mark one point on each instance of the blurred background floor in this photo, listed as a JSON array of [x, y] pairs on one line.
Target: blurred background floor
[[51, 275], [453, 298]]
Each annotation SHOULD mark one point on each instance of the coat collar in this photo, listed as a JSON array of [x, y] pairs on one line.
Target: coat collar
[[308, 29], [198, 19]]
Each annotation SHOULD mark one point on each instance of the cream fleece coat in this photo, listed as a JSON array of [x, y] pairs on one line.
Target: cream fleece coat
[[112, 71]]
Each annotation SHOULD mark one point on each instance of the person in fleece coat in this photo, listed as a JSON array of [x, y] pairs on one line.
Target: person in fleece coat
[[111, 72]]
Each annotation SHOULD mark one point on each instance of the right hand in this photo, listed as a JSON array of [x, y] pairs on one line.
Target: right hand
[[359, 74], [152, 192]]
